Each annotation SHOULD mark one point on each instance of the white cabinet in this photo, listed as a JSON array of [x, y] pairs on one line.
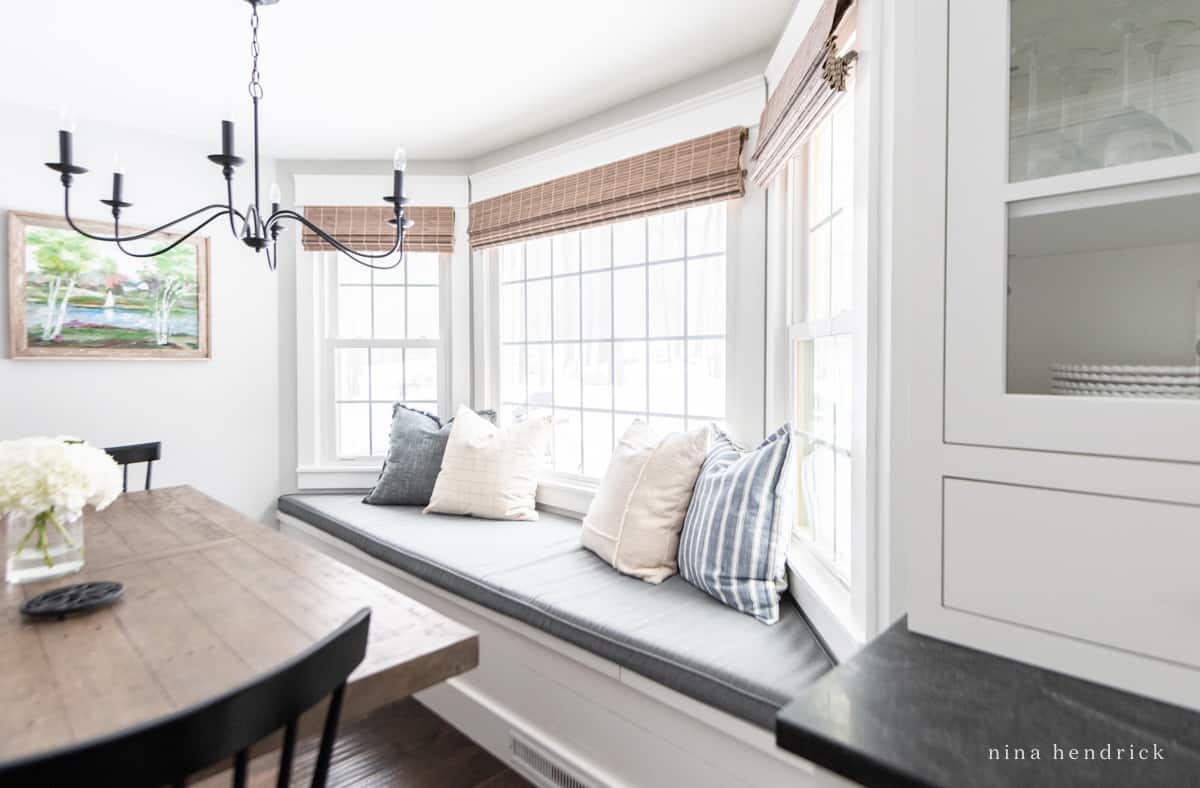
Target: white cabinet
[[1065, 562], [1073, 226], [1047, 353]]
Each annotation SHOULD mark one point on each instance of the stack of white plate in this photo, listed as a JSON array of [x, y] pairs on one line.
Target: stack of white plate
[[1125, 380]]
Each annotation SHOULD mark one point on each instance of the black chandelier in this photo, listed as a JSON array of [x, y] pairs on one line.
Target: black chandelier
[[261, 235]]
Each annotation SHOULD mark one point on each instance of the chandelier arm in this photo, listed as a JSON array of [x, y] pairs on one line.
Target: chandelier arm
[[136, 236], [168, 247], [361, 258]]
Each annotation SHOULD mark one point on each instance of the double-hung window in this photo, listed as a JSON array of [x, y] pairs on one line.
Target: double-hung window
[[819, 156], [385, 343], [826, 333], [608, 324]]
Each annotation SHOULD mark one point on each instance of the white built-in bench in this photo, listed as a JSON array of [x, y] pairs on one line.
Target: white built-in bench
[[618, 680]]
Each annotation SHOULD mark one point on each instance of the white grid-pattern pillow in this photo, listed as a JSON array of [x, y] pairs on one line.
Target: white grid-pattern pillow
[[488, 471]]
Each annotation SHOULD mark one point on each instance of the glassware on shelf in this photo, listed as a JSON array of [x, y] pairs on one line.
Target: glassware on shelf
[[1042, 152], [1123, 77], [1172, 33], [1088, 75], [1134, 135]]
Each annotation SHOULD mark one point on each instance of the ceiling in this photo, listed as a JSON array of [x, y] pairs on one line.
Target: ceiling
[[351, 79]]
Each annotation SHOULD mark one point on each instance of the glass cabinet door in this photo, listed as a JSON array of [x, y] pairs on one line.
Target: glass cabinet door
[[1073, 226], [1101, 83]]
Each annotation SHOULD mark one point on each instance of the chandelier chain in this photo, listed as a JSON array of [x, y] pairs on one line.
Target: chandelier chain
[[255, 87]]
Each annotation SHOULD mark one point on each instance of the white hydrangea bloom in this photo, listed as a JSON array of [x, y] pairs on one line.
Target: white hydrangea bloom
[[55, 474]]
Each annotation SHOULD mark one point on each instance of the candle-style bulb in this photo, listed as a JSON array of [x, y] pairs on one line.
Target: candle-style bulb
[[400, 160], [275, 196], [66, 120], [118, 168]]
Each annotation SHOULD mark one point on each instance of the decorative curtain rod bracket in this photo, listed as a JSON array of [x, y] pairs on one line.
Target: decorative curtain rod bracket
[[835, 69]]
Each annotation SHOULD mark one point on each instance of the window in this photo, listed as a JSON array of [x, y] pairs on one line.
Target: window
[[608, 324], [385, 343], [825, 334]]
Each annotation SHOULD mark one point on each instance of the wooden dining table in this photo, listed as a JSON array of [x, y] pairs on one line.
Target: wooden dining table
[[212, 599]]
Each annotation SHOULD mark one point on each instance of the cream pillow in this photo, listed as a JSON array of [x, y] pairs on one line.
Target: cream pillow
[[636, 516], [488, 471]]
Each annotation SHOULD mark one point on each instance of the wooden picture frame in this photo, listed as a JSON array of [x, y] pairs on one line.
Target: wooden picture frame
[[124, 307]]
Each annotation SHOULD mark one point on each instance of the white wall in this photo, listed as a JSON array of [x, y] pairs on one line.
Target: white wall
[[1125, 306], [217, 419]]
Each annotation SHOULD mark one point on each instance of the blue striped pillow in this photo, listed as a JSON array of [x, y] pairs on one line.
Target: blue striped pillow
[[735, 535]]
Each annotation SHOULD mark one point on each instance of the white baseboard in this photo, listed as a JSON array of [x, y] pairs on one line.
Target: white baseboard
[[617, 727]]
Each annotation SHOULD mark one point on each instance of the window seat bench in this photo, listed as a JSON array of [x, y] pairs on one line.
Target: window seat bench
[[536, 572]]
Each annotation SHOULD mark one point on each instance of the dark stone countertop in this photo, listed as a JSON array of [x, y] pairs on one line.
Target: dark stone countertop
[[910, 710]]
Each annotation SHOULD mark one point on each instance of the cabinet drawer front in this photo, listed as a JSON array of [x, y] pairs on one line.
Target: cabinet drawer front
[[1117, 572]]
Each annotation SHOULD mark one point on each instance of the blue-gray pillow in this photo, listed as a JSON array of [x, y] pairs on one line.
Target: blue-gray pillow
[[735, 534], [416, 444]]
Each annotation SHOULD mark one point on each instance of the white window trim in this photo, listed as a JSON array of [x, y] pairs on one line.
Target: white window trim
[[846, 616], [317, 465], [571, 494]]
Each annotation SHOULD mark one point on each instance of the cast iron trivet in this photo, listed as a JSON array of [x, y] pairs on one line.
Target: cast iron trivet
[[73, 599]]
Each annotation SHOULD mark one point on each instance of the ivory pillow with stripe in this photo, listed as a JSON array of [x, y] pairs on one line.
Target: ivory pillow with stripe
[[735, 535], [635, 517]]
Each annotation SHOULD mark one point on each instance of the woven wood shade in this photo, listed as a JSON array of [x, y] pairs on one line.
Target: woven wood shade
[[805, 93], [705, 169], [366, 228]]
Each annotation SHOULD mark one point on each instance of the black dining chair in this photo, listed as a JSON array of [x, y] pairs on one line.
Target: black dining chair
[[133, 454], [167, 750]]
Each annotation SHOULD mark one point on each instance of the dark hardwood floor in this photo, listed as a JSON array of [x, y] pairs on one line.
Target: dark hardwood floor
[[403, 745]]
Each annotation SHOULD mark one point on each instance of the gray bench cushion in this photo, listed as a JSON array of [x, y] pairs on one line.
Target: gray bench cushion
[[671, 633]]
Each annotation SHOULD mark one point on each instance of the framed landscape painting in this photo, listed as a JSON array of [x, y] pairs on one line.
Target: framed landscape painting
[[72, 297]]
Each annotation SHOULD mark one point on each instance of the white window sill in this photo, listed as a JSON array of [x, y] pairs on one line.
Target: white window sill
[[565, 495], [825, 599], [350, 476]]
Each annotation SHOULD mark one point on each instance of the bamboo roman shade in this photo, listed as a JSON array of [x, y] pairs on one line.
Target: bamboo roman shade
[[366, 228], [705, 169], [806, 91]]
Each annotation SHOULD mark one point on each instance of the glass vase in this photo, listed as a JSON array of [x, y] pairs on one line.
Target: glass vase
[[44, 546]]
